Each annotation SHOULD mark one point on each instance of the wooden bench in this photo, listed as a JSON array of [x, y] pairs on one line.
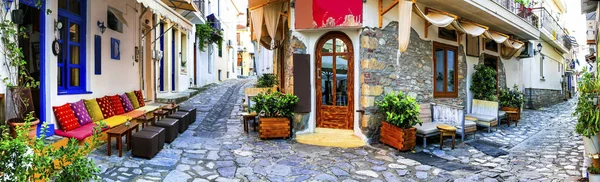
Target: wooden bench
[[435, 114], [485, 113]]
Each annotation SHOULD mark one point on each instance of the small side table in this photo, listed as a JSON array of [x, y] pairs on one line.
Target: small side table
[[118, 132], [247, 117], [446, 130], [512, 116], [145, 120], [171, 109], [160, 114]]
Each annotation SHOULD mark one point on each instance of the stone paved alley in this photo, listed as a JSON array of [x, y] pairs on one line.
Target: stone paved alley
[[542, 148]]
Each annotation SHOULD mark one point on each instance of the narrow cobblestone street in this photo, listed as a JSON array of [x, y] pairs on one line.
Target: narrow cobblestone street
[[543, 147]]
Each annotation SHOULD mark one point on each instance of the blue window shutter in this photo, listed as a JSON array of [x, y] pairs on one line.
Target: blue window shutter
[[97, 54]]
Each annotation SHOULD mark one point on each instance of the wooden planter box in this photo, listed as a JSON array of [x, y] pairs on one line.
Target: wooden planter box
[[513, 109], [274, 128], [401, 139]]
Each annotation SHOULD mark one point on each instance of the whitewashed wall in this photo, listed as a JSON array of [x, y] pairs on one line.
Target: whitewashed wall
[[118, 76]]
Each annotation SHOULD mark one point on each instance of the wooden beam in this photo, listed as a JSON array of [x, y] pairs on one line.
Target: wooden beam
[[265, 4], [427, 24], [383, 12]]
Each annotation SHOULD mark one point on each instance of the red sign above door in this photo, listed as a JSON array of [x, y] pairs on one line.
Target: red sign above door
[[312, 14]]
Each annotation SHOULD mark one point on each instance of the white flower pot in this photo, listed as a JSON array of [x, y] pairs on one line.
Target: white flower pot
[[594, 177], [591, 145]]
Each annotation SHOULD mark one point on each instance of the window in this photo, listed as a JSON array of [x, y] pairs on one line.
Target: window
[[447, 34], [490, 45], [445, 75], [219, 75], [113, 21], [542, 68], [210, 59], [71, 75]]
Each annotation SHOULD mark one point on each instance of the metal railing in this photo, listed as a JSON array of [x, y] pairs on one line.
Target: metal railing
[[201, 6], [548, 23], [519, 10]]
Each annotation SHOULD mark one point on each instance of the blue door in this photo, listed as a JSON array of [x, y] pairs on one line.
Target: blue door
[[173, 56], [161, 77]]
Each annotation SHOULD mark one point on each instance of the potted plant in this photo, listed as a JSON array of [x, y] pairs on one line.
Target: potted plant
[[401, 114], [25, 159], [485, 77], [17, 79], [588, 115], [275, 112], [511, 99]]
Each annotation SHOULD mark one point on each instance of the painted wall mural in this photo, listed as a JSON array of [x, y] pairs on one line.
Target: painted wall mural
[[328, 14]]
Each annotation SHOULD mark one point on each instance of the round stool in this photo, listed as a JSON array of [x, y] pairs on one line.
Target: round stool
[[446, 130]]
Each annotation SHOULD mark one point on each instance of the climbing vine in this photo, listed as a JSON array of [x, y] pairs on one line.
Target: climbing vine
[[206, 34]]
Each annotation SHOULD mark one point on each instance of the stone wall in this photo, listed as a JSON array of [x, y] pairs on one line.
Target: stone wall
[[412, 73], [294, 46], [537, 98]]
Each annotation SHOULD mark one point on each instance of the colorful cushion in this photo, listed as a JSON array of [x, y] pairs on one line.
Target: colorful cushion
[[81, 113], [140, 97], [115, 121], [105, 107], [133, 99], [117, 106], [93, 109], [126, 103], [65, 117], [79, 133]]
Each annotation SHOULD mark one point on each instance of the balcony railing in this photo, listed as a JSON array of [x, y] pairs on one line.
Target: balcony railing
[[519, 10], [551, 26], [200, 5]]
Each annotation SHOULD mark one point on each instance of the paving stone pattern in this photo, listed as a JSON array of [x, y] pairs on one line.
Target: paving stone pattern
[[215, 148]]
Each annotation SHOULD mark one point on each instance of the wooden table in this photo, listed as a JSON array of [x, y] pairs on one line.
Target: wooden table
[[446, 130], [512, 116], [119, 132], [171, 109], [145, 120], [246, 117], [160, 114]]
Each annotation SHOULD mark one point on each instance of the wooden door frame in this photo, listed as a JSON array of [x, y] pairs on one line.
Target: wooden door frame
[[350, 76]]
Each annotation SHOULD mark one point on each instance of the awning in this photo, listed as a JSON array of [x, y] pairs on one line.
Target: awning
[[164, 10], [181, 4], [267, 21], [471, 28]]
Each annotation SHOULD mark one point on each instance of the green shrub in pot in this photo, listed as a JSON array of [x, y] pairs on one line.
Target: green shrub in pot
[[400, 110], [267, 80], [511, 97], [485, 81], [274, 104]]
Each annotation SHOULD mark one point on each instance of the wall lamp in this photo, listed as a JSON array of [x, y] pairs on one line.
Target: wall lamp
[[538, 48], [102, 27]]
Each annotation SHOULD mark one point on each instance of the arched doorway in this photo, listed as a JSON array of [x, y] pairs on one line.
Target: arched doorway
[[334, 81]]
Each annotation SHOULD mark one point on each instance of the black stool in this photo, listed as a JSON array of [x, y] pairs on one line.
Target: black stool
[[171, 127], [183, 118], [191, 111], [161, 135], [144, 144]]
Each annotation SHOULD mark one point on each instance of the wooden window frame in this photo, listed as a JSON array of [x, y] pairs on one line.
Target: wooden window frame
[[445, 94], [485, 40], [440, 29]]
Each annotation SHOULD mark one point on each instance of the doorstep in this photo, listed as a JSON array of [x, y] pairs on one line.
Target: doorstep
[[331, 138]]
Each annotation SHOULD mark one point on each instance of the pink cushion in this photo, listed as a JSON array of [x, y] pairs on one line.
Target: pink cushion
[[79, 133]]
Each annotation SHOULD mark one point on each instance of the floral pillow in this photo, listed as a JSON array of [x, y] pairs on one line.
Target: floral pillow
[[126, 103], [105, 107], [65, 117], [117, 106], [81, 112], [140, 97]]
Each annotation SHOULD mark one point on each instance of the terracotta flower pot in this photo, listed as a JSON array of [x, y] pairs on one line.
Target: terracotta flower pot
[[32, 127], [401, 139]]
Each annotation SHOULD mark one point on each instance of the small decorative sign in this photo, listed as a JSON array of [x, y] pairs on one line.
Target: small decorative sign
[[115, 49]]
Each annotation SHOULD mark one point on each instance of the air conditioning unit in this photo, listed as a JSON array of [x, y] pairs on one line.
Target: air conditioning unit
[[527, 51]]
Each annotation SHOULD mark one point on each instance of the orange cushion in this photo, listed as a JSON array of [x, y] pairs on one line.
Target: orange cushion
[[140, 97], [116, 105], [66, 117], [105, 106]]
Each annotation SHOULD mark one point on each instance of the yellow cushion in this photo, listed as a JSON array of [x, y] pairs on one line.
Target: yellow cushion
[[93, 109], [133, 99], [115, 121], [147, 109]]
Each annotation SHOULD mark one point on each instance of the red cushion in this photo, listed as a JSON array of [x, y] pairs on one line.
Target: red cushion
[[140, 97], [105, 106], [65, 117], [115, 102], [79, 133]]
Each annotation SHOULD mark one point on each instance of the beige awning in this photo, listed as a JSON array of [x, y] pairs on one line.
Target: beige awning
[[267, 21], [160, 8], [119, 15], [471, 28], [435, 17], [181, 4]]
